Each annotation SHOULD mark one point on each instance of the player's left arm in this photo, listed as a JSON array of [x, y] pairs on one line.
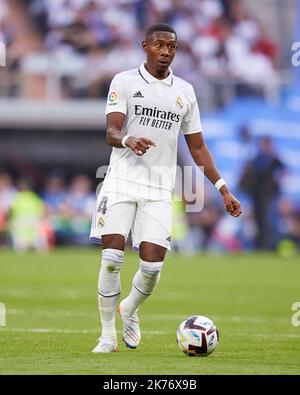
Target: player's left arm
[[202, 157]]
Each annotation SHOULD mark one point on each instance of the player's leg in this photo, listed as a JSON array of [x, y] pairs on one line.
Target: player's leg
[[109, 290], [147, 277], [152, 228], [114, 223]]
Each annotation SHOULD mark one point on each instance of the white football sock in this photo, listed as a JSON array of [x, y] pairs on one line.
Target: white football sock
[[143, 285], [109, 289]]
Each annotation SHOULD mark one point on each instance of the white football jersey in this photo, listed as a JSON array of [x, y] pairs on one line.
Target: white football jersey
[[157, 110]]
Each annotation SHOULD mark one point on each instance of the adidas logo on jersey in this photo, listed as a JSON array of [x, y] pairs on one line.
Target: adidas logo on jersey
[[138, 94]]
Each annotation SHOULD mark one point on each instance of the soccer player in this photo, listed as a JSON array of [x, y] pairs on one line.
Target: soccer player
[[146, 108]]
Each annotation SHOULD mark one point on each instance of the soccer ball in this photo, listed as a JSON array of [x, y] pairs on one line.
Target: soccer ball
[[197, 336]]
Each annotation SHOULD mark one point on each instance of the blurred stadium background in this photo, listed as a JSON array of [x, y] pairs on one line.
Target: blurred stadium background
[[60, 58]]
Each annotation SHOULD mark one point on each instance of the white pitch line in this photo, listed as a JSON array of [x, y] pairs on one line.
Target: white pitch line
[[216, 318], [160, 316], [71, 331], [146, 332], [48, 330], [267, 335], [53, 313]]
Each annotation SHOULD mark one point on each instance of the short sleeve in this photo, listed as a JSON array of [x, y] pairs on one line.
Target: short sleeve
[[117, 96], [191, 122]]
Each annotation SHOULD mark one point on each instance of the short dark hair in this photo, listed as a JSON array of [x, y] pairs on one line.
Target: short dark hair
[[159, 27]]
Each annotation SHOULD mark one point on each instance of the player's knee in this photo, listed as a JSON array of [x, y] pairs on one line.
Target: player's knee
[[150, 252], [114, 242], [152, 258], [112, 260], [153, 255]]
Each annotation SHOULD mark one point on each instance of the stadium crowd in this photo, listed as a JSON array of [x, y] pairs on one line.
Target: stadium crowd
[[76, 46], [60, 214]]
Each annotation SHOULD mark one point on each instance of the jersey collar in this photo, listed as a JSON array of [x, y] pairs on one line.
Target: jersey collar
[[150, 79]]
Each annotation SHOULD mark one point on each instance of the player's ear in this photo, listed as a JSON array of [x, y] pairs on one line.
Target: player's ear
[[144, 45]]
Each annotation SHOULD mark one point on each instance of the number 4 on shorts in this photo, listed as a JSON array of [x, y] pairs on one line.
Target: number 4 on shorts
[[102, 208]]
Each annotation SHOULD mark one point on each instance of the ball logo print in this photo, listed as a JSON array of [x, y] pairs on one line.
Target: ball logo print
[[296, 56], [296, 316], [2, 54], [2, 314]]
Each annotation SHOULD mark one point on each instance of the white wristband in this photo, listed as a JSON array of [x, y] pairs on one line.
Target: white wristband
[[124, 139], [220, 183]]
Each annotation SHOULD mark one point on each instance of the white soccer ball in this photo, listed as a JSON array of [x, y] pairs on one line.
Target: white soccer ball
[[197, 336]]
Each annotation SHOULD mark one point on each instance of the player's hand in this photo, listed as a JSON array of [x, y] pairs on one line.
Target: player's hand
[[231, 204], [139, 145]]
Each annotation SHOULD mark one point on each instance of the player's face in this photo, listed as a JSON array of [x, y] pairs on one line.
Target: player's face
[[160, 48]]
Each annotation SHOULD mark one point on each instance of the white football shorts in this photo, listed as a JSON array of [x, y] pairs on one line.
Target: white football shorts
[[147, 220]]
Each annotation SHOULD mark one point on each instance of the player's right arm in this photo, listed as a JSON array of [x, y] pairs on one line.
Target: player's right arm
[[116, 110], [114, 124]]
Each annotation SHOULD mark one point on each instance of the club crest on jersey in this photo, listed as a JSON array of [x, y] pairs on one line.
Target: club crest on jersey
[[113, 98], [179, 102]]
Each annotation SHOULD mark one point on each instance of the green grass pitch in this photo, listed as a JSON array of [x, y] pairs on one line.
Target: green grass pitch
[[52, 319]]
